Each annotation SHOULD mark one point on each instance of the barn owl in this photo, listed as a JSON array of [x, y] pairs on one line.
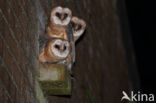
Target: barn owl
[[63, 25], [75, 30], [59, 19], [58, 27], [54, 51], [78, 27]]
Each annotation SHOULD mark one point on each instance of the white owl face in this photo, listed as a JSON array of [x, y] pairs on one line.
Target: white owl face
[[61, 16], [60, 48], [78, 26]]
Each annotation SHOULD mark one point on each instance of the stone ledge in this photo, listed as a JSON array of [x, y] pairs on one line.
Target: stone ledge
[[54, 79], [39, 94]]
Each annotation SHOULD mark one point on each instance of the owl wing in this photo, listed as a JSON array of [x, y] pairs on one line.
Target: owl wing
[[43, 39], [71, 41]]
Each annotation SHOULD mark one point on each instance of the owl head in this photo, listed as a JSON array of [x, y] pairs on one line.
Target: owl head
[[61, 16], [55, 50], [60, 48], [78, 27]]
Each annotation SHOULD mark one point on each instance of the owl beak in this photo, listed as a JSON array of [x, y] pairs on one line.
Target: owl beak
[[64, 47], [77, 27], [62, 17]]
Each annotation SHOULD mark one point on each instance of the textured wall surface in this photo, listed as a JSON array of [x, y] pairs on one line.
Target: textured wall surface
[[101, 68], [18, 51]]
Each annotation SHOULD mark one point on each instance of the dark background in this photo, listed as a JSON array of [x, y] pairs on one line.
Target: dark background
[[141, 15]]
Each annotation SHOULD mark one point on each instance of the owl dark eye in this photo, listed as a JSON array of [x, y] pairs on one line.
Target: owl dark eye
[[65, 15], [64, 48], [57, 46], [73, 24], [58, 14], [79, 27]]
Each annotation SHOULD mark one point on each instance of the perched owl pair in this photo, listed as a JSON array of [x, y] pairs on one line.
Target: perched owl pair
[[62, 31]]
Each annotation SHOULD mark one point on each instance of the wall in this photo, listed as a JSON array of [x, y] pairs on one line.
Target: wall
[[18, 51], [102, 65]]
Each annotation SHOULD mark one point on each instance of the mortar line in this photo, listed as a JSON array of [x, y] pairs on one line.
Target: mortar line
[[9, 74], [16, 41], [25, 38], [17, 64], [6, 91]]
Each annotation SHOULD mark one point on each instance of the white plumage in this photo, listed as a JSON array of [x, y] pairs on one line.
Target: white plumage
[[60, 48], [61, 16], [78, 26]]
